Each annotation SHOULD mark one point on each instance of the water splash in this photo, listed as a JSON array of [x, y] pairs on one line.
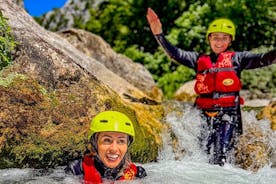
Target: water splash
[[185, 126]]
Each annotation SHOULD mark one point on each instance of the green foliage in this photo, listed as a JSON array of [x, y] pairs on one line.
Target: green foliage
[[7, 43], [189, 32], [260, 82], [124, 26], [168, 75], [156, 64], [254, 20], [186, 28], [170, 82], [123, 23], [109, 21]]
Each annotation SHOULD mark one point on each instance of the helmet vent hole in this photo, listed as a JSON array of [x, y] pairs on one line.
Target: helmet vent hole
[[103, 121], [229, 26], [128, 124]]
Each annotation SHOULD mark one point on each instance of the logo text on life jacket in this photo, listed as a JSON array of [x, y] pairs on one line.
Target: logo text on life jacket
[[228, 82]]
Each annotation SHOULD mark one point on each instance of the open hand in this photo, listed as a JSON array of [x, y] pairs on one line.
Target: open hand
[[154, 22]]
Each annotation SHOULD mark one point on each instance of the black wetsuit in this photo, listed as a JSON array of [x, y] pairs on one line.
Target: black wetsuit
[[75, 168]]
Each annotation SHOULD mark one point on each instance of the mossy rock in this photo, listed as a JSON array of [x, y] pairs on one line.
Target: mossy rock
[[42, 127]]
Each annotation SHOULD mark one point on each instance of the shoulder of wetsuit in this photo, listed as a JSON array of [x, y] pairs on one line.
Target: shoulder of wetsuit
[[74, 167], [141, 172]]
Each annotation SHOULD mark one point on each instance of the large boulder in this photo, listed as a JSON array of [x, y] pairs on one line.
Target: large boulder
[[253, 151], [52, 91], [95, 47], [186, 92], [53, 60], [269, 112]]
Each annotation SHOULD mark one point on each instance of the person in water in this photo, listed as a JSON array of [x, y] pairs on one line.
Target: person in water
[[217, 82], [110, 134]]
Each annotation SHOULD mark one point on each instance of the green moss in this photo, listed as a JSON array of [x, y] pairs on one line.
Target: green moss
[[36, 152], [52, 129], [6, 81], [249, 108]]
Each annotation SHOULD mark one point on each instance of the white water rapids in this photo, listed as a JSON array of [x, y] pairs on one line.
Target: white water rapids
[[173, 166]]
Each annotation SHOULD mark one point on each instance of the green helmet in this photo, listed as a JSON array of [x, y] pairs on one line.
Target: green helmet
[[222, 25], [111, 121]]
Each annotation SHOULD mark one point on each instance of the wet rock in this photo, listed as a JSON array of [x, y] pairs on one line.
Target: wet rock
[[269, 112], [253, 150], [186, 92]]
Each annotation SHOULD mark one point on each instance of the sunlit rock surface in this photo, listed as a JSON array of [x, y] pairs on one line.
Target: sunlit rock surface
[[95, 47], [254, 150], [269, 112], [186, 92]]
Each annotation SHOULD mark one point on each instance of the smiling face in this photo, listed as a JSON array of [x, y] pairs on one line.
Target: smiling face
[[219, 42], [112, 147]]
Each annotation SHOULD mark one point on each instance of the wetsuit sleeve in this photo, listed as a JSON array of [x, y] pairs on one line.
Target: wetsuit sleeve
[[187, 58], [250, 60], [141, 172], [74, 167]]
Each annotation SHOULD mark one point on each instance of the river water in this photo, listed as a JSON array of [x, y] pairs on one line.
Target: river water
[[172, 166]]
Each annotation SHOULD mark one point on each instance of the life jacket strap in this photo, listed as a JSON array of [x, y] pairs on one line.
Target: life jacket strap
[[215, 70], [216, 95]]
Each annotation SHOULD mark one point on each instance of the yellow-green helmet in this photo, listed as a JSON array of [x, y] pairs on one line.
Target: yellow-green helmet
[[111, 121], [222, 25]]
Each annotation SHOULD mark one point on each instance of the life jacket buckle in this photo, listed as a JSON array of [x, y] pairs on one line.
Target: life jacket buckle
[[211, 114], [216, 95]]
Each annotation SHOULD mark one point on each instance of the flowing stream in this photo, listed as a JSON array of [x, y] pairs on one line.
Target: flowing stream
[[186, 165]]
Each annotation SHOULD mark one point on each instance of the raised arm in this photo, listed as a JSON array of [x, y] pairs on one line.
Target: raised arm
[[180, 56], [251, 61]]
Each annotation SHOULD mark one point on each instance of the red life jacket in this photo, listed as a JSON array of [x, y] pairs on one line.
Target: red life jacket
[[92, 176], [217, 78]]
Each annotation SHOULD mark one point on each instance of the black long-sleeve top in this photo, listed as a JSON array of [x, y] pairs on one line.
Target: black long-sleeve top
[[241, 60]]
